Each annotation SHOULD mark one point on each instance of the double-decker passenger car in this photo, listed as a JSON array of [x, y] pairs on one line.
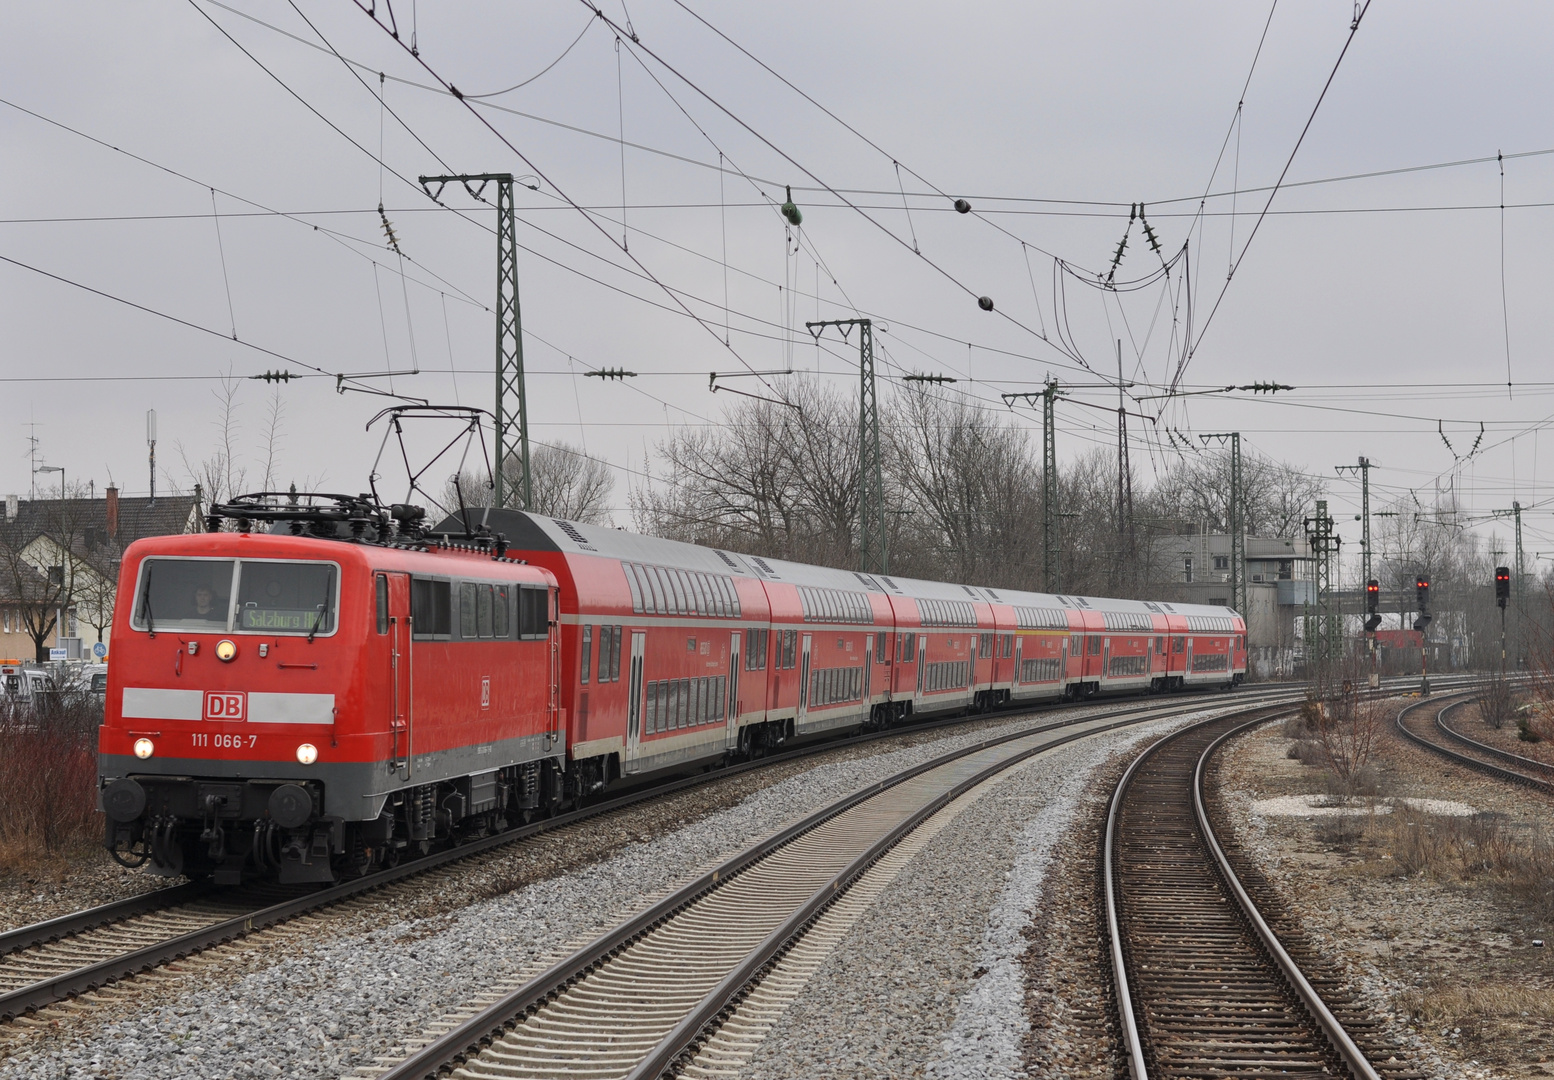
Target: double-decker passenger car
[[327, 689]]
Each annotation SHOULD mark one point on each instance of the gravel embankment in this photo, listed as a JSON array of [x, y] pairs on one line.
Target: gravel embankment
[[931, 981], [1441, 941], [48, 889], [322, 999]]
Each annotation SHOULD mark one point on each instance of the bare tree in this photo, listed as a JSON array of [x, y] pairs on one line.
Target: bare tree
[[566, 482], [41, 559], [969, 480], [220, 475], [778, 479], [274, 415]]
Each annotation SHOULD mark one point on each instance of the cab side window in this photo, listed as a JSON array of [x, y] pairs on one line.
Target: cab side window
[[380, 586]]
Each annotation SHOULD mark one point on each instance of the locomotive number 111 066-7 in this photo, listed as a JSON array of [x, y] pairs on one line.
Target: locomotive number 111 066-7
[[223, 742]]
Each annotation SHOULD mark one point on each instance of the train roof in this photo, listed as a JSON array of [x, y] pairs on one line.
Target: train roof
[[534, 532]]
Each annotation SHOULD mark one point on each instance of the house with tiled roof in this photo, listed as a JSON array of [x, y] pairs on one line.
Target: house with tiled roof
[[59, 565]]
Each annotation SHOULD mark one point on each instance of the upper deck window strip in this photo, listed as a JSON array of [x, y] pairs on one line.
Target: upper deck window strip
[[663, 590], [835, 605]]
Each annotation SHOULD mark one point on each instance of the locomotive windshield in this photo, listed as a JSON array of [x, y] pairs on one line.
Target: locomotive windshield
[[258, 596]]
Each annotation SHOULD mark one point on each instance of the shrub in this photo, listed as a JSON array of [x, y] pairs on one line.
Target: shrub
[[1495, 701], [48, 772]]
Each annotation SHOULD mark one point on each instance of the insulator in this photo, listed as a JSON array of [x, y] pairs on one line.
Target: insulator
[[985, 303], [791, 211], [962, 206]]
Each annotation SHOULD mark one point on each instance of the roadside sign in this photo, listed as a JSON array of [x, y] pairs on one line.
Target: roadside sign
[[99, 649], [59, 654]]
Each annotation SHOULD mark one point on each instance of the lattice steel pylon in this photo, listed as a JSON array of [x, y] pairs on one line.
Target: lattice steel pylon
[[1324, 630], [873, 542], [512, 439]]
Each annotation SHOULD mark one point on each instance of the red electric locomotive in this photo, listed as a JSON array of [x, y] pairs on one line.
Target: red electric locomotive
[[333, 686]]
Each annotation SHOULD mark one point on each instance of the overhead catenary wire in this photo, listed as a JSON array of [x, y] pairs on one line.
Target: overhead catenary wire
[[1354, 29]]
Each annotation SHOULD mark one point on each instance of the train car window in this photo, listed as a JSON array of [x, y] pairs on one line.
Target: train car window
[[881, 644], [588, 654], [285, 597], [431, 604], [615, 655], [653, 600], [185, 594], [533, 611], [1178, 644], [483, 613], [501, 606], [650, 710], [1095, 645], [380, 586], [683, 714], [467, 624]]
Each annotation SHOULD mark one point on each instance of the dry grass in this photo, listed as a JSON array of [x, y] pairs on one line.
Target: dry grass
[[1477, 849], [1482, 1019], [48, 772]]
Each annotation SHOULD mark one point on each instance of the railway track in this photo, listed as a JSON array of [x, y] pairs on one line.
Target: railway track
[[66, 957], [647, 997], [60, 959], [1480, 757], [1204, 985]]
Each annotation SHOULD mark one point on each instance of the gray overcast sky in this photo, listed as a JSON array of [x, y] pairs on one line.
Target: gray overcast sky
[[1380, 298]]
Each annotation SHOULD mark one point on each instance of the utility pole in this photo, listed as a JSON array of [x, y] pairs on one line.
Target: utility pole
[[1237, 530], [1049, 485], [512, 404], [1364, 471], [1124, 481], [1049, 478], [1519, 583], [1324, 632], [873, 549], [151, 442]]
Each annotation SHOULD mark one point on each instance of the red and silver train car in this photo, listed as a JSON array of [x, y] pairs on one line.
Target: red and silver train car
[[325, 695]]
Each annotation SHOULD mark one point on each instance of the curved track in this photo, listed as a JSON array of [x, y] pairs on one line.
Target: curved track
[[638, 1001], [1204, 986], [80, 952], [1478, 756]]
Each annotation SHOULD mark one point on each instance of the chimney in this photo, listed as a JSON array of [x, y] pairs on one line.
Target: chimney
[[12, 507], [112, 493]]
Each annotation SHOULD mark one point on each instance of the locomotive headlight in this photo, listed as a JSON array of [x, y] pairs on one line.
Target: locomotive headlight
[[144, 748], [307, 753], [226, 650]]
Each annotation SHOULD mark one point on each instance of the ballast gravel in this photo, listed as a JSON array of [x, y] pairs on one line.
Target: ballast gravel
[[930, 981], [325, 1007]]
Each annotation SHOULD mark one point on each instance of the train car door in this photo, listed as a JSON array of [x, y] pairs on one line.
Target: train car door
[[735, 664], [634, 694], [1187, 661], [922, 661], [1019, 661], [803, 707], [868, 669], [1106, 658], [392, 594]]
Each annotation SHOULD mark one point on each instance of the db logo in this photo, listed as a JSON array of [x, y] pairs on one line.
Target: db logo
[[223, 705]]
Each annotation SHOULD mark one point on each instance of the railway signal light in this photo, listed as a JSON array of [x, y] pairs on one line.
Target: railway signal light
[[1372, 599], [1422, 592], [1502, 585]]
